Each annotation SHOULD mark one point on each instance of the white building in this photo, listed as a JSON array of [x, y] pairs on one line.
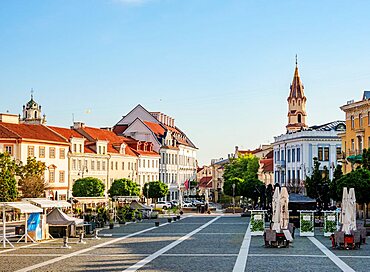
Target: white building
[[36, 140], [177, 153], [295, 150]]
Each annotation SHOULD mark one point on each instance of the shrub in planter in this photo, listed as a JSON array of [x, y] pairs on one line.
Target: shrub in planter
[[111, 224]]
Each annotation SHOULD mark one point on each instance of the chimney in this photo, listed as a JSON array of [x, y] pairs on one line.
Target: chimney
[[77, 125]]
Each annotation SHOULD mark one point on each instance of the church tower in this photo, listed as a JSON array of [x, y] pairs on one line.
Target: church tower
[[32, 113], [296, 103]]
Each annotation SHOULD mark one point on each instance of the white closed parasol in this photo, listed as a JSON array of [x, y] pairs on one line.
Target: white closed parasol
[[276, 210], [351, 206], [344, 219], [284, 211]]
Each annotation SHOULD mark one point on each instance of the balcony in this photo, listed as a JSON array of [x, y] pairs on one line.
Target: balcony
[[280, 164]]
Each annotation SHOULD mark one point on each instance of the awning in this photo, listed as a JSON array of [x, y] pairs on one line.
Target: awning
[[354, 158], [22, 207], [48, 203]]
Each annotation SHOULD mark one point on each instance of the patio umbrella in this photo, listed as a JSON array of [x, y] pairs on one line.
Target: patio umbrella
[[276, 210], [352, 209], [344, 213], [284, 211]]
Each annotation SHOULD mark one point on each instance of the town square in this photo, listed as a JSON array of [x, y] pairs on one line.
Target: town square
[[168, 135]]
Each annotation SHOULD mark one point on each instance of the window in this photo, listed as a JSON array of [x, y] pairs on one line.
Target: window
[[299, 118], [320, 154], [152, 163], [326, 153], [80, 148], [116, 165], [98, 165], [298, 154], [51, 175], [103, 165], [111, 165], [31, 151], [51, 152], [79, 164], [128, 166], [9, 149], [92, 165], [74, 148], [293, 155], [42, 151], [73, 164], [352, 144], [99, 149], [103, 149], [368, 118], [288, 175], [61, 176], [360, 119], [123, 166], [298, 175], [288, 155], [62, 153], [352, 122], [293, 176], [339, 152]]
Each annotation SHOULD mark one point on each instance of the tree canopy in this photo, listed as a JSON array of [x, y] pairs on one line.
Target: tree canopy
[[8, 182], [157, 189], [32, 183], [124, 187], [243, 172], [88, 187], [358, 179]]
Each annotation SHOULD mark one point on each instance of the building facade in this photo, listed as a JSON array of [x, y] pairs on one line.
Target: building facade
[[357, 135], [177, 153], [38, 141]]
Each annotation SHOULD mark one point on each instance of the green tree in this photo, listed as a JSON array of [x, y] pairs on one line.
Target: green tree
[[338, 173], [124, 187], [358, 179], [318, 184], [32, 183], [243, 172], [157, 189], [88, 187], [8, 182]]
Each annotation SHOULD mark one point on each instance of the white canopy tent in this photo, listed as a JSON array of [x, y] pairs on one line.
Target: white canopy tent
[[22, 207], [48, 203]]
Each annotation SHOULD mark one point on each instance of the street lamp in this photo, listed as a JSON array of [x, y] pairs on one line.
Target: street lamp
[[233, 197], [147, 193]]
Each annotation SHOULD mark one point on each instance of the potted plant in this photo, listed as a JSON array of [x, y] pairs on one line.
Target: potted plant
[[111, 224], [169, 219]]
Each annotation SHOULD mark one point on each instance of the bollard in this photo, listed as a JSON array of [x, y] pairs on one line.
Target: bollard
[[156, 223], [80, 238], [96, 232], [65, 242], [174, 218]]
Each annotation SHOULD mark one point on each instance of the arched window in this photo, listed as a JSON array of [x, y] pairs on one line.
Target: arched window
[[299, 118], [299, 102], [35, 114], [26, 114], [293, 102]]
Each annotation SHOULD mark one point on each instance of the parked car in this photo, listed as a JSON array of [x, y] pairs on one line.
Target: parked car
[[174, 203], [187, 204], [196, 202], [162, 205]]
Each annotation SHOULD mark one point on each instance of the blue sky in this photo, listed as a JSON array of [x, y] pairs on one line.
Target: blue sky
[[221, 68]]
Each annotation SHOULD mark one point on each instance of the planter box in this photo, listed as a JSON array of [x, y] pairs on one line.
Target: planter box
[[330, 222], [257, 222], [307, 224]]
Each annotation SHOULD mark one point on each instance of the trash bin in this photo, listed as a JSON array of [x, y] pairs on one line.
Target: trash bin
[[19, 230], [202, 209], [88, 228]]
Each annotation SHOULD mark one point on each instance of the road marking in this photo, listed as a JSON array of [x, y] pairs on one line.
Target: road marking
[[36, 266], [25, 246], [241, 261], [155, 255], [287, 255], [338, 262]]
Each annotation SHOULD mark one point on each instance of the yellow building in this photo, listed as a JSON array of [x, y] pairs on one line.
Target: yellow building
[[357, 135]]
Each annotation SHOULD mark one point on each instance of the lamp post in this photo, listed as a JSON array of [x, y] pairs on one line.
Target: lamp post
[[233, 197], [147, 193]]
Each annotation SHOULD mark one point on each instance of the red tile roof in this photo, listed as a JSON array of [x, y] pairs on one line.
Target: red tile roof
[[267, 165], [66, 132], [109, 136], [205, 182], [157, 129], [27, 131]]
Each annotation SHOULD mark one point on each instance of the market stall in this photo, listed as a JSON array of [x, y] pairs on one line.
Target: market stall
[[32, 217]]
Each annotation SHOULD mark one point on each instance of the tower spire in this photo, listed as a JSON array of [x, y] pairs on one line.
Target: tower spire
[[296, 102], [32, 93]]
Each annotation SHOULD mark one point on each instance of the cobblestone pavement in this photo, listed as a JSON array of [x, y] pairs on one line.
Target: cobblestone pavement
[[195, 243]]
